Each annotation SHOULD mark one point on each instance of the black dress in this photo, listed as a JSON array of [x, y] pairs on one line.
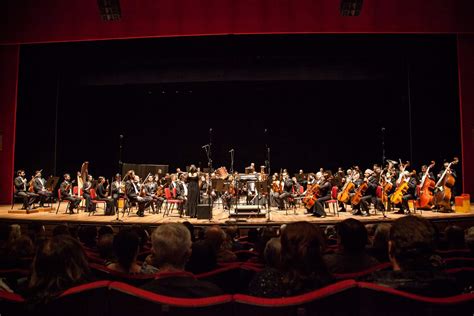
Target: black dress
[[193, 195]]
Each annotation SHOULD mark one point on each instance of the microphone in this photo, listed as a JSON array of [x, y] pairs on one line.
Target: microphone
[[232, 150]]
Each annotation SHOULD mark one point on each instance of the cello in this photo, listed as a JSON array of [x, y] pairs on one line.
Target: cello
[[344, 195], [359, 193], [402, 189], [425, 189], [312, 194], [442, 196]]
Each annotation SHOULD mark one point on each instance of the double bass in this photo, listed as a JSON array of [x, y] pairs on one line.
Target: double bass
[[425, 190], [443, 193]]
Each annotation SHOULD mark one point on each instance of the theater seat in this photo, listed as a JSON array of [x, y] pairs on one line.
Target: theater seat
[[364, 273], [87, 299], [227, 278], [11, 304], [103, 273], [336, 299], [381, 300], [128, 300]]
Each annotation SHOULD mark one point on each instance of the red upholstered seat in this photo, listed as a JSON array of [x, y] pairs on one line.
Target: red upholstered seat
[[360, 274], [227, 278], [244, 255], [458, 262], [129, 300], [336, 299], [103, 273], [381, 300]]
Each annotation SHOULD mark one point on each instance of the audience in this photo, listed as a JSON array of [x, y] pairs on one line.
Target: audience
[[215, 236], [105, 247], [379, 249], [58, 265], [262, 285], [351, 255], [454, 237], [171, 247], [415, 268], [126, 246]]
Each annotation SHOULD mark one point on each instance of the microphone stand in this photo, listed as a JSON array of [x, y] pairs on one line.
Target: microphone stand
[[120, 153], [231, 161], [267, 165], [381, 166]]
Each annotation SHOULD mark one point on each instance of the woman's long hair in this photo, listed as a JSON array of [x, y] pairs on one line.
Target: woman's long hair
[[59, 264], [301, 259]]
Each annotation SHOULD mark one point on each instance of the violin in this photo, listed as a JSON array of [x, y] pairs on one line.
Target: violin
[[425, 190], [442, 197], [31, 187]]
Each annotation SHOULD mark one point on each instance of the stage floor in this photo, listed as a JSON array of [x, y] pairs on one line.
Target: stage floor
[[220, 216]]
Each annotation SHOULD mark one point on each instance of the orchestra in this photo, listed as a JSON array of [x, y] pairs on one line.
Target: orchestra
[[384, 188]]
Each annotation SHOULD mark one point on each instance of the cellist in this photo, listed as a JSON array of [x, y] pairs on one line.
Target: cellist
[[370, 194], [325, 187], [408, 178]]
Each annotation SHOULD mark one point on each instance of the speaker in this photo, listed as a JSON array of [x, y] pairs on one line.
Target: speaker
[[204, 211]]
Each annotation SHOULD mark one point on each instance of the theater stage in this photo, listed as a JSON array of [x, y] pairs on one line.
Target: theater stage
[[220, 216]]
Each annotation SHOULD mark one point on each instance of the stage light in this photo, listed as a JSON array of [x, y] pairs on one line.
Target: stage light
[[109, 10], [351, 7]]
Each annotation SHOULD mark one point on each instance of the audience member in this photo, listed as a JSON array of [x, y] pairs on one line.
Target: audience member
[[171, 247], [351, 255], [59, 264], [379, 249], [266, 282], [411, 248]]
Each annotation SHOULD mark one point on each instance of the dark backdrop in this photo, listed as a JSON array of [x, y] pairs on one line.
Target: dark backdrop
[[323, 99]]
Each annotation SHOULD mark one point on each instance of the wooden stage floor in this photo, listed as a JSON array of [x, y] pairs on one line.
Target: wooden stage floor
[[220, 216]]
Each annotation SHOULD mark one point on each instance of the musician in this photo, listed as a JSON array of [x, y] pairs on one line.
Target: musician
[[325, 187], [65, 190], [370, 195], [422, 173], [102, 192], [409, 195], [86, 194], [40, 189], [351, 176], [21, 186], [132, 188], [193, 191], [151, 189], [229, 193], [287, 184], [182, 194], [117, 189], [450, 171], [275, 190]]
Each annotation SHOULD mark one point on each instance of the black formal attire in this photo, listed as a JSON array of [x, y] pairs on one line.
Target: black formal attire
[[287, 192], [193, 194], [344, 262], [186, 286], [65, 190], [39, 187], [133, 194], [117, 191], [409, 195], [109, 202], [21, 186], [150, 189], [181, 194], [371, 196], [325, 195], [86, 194]]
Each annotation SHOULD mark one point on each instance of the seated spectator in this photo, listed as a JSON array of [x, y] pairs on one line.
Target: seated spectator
[[126, 246], [266, 282], [411, 248], [203, 258], [351, 255], [36, 231], [171, 247], [232, 240], [61, 230], [15, 233], [454, 236], [379, 249], [302, 266], [215, 236], [105, 230], [105, 246], [143, 236], [20, 253], [469, 238], [59, 264], [88, 237]]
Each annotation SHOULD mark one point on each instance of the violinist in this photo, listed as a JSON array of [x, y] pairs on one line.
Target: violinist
[[66, 193], [229, 193], [275, 190], [102, 192], [86, 194], [325, 187], [21, 186], [156, 191], [117, 189], [132, 188], [40, 189], [287, 185]]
